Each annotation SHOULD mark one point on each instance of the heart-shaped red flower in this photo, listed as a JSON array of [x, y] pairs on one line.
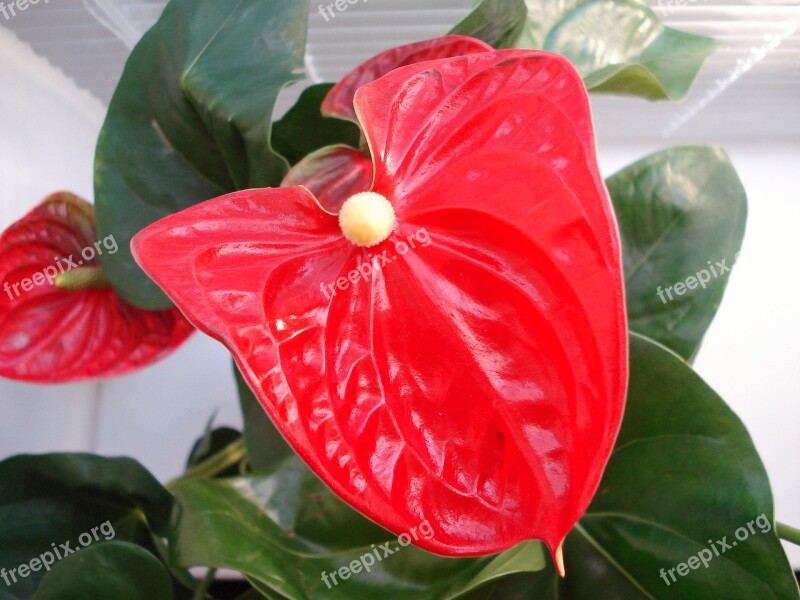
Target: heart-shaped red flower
[[51, 332], [470, 369]]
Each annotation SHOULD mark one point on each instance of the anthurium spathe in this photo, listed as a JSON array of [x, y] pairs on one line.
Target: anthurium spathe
[[335, 173], [451, 347], [59, 319]]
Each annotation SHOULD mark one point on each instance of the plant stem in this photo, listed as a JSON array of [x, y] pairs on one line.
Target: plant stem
[[230, 455], [788, 533], [200, 592]]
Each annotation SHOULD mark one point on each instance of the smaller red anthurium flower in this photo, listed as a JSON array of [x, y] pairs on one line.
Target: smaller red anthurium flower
[[59, 320], [452, 346], [335, 173]]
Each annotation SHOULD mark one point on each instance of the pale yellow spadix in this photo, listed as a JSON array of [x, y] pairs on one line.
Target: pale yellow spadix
[[367, 219]]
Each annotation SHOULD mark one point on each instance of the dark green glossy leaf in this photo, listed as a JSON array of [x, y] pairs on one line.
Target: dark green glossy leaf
[[191, 119], [111, 571], [285, 529], [684, 472], [265, 445], [678, 210], [618, 46], [49, 500], [304, 130]]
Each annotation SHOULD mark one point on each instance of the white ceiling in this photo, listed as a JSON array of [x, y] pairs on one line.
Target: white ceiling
[[749, 89]]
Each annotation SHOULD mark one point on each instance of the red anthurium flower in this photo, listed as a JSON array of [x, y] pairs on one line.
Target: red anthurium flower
[[59, 320], [335, 173], [452, 347]]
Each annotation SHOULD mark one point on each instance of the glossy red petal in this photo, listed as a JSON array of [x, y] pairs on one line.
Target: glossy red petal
[[332, 174], [49, 335], [470, 371], [505, 140], [339, 101]]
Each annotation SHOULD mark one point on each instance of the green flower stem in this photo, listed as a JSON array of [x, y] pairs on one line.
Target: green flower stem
[[230, 455], [200, 592], [788, 533], [82, 278]]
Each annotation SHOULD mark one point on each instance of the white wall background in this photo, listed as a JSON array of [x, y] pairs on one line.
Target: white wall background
[[48, 128]]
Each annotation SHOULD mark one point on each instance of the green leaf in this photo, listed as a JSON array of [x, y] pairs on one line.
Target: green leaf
[[110, 571], [684, 471], [265, 445], [618, 46], [678, 210], [50, 500], [285, 529], [191, 119], [304, 130]]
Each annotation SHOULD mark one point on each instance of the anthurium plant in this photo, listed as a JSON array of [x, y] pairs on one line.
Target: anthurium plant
[[457, 375]]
